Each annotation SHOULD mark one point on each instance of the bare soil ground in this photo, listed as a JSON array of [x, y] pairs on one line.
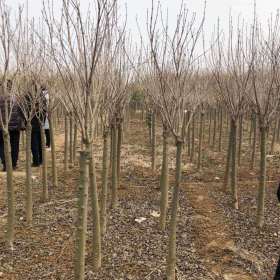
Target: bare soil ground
[[214, 241]]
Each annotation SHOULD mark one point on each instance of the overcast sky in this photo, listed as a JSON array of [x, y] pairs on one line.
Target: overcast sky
[[215, 9]]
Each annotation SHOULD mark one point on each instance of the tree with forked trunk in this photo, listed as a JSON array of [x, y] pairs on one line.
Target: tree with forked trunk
[[9, 103], [173, 63], [231, 68], [264, 96], [75, 44]]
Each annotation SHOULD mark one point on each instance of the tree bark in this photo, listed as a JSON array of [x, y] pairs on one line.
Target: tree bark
[[114, 167], [75, 142], [189, 134], [193, 138], [278, 130], [262, 182], [153, 142], [53, 153], [210, 124], [221, 130], [103, 211], [23, 139], [10, 189], [71, 140], [234, 165], [201, 128], [96, 237], [171, 258], [66, 163], [164, 180], [240, 139], [119, 147], [45, 191], [251, 129], [28, 178], [81, 228], [253, 154], [228, 163], [149, 124], [274, 132], [214, 129], [111, 147]]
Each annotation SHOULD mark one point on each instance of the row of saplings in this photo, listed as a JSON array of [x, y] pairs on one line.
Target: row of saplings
[[218, 124], [208, 128]]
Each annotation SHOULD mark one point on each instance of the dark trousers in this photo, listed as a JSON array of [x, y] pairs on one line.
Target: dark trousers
[[36, 146], [48, 138], [14, 142], [277, 273]]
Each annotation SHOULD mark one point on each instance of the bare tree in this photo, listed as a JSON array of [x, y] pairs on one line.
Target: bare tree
[[75, 45], [231, 67], [8, 37], [173, 61], [265, 94]]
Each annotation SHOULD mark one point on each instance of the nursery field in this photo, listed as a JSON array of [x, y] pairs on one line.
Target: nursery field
[[214, 241]]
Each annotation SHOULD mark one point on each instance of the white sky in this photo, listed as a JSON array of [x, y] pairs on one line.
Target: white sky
[[215, 9]]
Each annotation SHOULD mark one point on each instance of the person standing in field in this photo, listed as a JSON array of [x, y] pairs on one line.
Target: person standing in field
[[15, 125], [46, 124], [38, 101]]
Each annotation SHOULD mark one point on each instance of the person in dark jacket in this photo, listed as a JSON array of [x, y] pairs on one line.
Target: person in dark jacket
[[14, 126], [38, 101], [46, 124]]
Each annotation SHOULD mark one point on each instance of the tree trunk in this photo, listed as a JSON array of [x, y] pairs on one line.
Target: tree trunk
[[193, 138], [111, 147], [189, 134], [201, 127], [262, 182], [227, 121], [114, 167], [251, 129], [228, 163], [96, 237], [143, 113], [71, 140], [23, 139], [214, 128], [10, 189], [103, 211], [45, 192], [75, 142], [149, 123], [234, 165], [164, 180], [221, 130], [153, 142], [96, 131], [28, 179], [274, 132], [119, 147], [240, 139], [210, 124], [171, 259], [66, 166], [53, 152], [253, 154], [66, 143], [278, 130], [81, 228]]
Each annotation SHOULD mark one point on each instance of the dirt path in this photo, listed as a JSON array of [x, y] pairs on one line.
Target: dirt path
[[214, 242]]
